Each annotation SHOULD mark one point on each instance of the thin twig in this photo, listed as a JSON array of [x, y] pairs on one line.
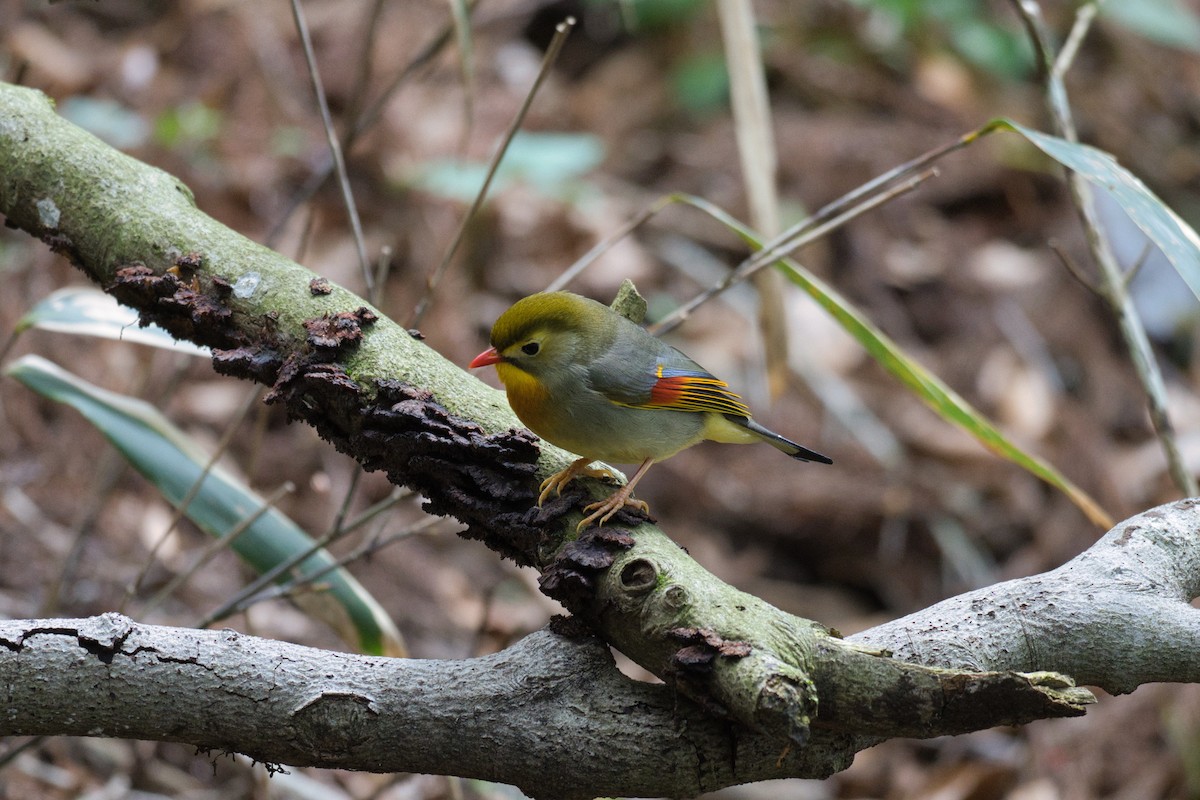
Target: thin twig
[[603, 246], [1143, 257], [918, 164], [369, 116], [308, 583], [788, 243], [825, 213], [1083, 23], [192, 492], [1074, 269], [339, 519], [335, 532], [431, 282], [222, 542], [335, 147], [17, 750]]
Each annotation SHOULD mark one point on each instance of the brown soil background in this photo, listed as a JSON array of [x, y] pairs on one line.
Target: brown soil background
[[960, 273]]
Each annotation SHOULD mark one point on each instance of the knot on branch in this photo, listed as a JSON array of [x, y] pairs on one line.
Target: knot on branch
[[335, 725]]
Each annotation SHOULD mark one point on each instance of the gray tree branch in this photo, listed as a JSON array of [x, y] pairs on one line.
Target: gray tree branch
[[1116, 616], [551, 714]]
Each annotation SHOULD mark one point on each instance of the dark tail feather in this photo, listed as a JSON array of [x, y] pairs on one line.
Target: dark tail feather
[[794, 450]]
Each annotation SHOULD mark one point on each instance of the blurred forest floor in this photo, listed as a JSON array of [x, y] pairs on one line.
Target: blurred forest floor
[[961, 273]]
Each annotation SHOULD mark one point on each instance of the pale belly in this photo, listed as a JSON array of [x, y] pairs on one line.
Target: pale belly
[[604, 431]]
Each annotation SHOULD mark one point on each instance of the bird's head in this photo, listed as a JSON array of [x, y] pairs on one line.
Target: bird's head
[[547, 335]]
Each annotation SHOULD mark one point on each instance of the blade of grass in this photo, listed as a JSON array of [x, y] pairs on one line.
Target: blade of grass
[[947, 403], [1179, 242]]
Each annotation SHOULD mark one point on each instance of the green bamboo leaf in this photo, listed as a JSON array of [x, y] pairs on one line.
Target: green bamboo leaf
[[84, 311], [940, 397], [551, 163], [173, 463], [1167, 22], [1177, 240]]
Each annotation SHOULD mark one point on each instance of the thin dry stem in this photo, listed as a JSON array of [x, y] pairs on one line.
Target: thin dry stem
[[362, 123], [193, 490], [308, 583], [774, 252], [757, 152], [223, 542], [603, 246], [335, 148], [240, 601], [431, 283]]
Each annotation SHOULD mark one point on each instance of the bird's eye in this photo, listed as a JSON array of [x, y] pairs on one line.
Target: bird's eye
[[531, 348]]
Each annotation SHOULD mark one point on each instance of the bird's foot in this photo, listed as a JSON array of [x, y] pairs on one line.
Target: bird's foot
[[579, 468], [602, 511]]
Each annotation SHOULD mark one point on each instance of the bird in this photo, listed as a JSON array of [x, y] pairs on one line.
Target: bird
[[587, 379]]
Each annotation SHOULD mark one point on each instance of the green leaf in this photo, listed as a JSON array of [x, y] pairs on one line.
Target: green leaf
[[187, 125], [121, 127], [84, 311], [551, 163], [940, 397], [700, 83], [1167, 22], [173, 463], [1177, 240]]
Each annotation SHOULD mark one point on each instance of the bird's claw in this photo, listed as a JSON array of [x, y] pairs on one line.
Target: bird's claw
[[603, 510], [578, 468]]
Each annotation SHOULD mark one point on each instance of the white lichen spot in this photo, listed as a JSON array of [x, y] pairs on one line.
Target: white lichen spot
[[48, 213], [246, 285]]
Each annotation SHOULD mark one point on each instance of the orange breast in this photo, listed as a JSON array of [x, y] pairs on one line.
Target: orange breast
[[527, 396]]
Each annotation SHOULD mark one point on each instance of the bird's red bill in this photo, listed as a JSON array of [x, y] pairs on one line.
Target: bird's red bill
[[489, 356]]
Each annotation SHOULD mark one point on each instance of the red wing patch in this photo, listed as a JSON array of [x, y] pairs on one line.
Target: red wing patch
[[693, 392]]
